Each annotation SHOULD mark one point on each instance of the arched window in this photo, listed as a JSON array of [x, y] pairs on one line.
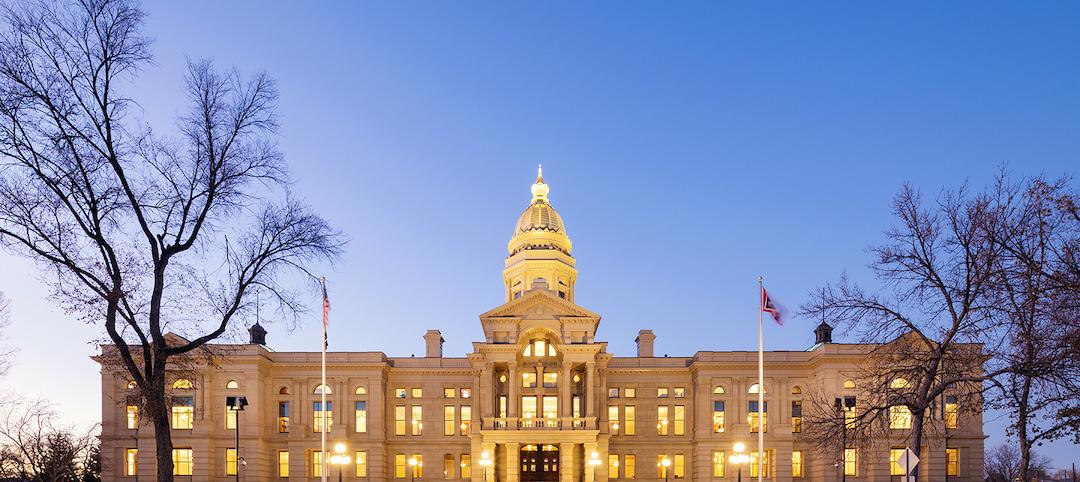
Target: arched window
[[320, 389], [796, 390], [283, 391], [899, 382], [539, 347], [183, 384], [849, 383], [132, 385], [361, 390], [754, 389], [718, 390], [232, 385]]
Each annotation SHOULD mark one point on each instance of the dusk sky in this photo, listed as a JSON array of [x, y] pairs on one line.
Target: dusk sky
[[689, 149]]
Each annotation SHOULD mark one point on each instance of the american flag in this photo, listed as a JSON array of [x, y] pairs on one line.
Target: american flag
[[772, 308], [325, 313]]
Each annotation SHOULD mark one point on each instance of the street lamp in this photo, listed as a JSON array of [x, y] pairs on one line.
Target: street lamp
[[740, 458], [665, 463], [413, 464], [594, 462], [339, 459], [236, 405], [485, 462]]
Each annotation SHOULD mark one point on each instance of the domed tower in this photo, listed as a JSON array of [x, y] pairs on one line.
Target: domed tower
[[540, 250]]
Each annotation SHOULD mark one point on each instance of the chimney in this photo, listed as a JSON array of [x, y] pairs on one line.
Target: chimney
[[433, 342], [645, 339], [258, 334], [823, 333]]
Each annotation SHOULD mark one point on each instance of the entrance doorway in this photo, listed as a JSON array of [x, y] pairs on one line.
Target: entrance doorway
[[540, 463]]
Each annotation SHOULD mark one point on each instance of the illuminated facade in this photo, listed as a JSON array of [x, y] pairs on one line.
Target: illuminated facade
[[540, 398]]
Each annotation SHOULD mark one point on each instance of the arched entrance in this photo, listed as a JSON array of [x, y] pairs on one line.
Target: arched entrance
[[540, 463]]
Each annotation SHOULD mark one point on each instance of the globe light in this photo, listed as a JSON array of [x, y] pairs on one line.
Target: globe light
[[740, 447]]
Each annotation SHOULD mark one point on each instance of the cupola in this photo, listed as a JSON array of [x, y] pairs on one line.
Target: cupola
[[539, 249]]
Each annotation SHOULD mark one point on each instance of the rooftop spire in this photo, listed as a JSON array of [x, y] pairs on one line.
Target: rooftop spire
[[539, 188]]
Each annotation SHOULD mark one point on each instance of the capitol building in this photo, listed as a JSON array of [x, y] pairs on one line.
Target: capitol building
[[539, 398]]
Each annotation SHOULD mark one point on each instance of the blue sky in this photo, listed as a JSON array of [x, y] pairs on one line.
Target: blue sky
[[689, 149]]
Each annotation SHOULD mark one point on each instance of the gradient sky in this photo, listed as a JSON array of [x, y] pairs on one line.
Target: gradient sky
[[689, 149]]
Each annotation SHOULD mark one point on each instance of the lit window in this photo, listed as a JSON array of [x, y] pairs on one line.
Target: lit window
[[449, 420], [796, 416], [466, 393], [466, 419], [849, 384], [899, 417], [796, 464], [661, 469], [575, 406], [230, 418], [502, 406], [399, 420], [718, 390], [796, 390], [283, 463], [132, 385], [361, 417], [851, 461], [752, 416], [680, 466], [613, 418], [894, 462], [528, 379], [680, 420], [417, 420], [952, 461], [183, 384], [629, 412], [613, 466], [661, 393], [361, 390], [662, 420], [551, 407], [718, 417], [754, 464], [449, 392], [754, 389], [630, 467], [400, 393], [630, 392], [318, 423], [183, 413], [131, 462], [183, 461], [283, 417], [230, 461], [466, 466], [849, 412], [321, 389], [613, 393], [718, 464], [680, 392], [132, 417], [528, 407], [418, 468], [899, 383], [232, 385], [316, 463], [417, 393], [551, 379], [448, 468], [399, 466], [952, 412]]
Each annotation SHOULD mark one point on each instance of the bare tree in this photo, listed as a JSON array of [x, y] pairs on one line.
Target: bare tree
[[137, 231], [929, 317], [1002, 463], [33, 447]]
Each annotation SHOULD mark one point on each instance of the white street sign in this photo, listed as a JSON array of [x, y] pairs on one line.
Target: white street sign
[[908, 461]]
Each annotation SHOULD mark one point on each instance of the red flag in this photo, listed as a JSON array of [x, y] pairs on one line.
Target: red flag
[[325, 314], [772, 308]]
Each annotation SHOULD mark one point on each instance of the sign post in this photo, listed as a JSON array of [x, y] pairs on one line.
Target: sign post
[[908, 460]]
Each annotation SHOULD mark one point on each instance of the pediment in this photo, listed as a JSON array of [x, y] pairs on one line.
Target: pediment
[[539, 304]]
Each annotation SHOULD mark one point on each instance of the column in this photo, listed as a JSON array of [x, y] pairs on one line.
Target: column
[[485, 392], [566, 462], [590, 390], [513, 462], [514, 380], [565, 400], [591, 470], [491, 470]]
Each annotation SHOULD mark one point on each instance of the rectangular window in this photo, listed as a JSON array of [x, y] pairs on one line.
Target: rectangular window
[[400, 393], [230, 461], [575, 405], [630, 467], [466, 393], [613, 393], [718, 464], [551, 379], [849, 412], [399, 466], [448, 466], [680, 392], [131, 462], [680, 420], [399, 420], [754, 464], [183, 462], [661, 393], [361, 417], [796, 416], [613, 418], [528, 380], [502, 406], [894, 461], [230, 419], [528, 407], [613, 466], [466, 419], [417, 393], [318, 424], [449, 392], [899, 417], [662, 420], [952, 412], [183, 413], [952, 462], [629, 412], [466, 466], [417, 420], [851, 461], [449, 420], [661, 469], [630, 392], [283, 417], [796, 464], [361, 463], [551, 407], [316, 464], [752, 416], [680, 466], [283, 464], [132, 417], [718, 417], [418, 469]]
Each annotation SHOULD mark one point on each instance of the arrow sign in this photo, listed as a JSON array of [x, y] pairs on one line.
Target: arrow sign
[[908, 461]]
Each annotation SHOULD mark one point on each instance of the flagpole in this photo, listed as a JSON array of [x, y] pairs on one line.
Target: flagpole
[[322, 387], [761, 382]]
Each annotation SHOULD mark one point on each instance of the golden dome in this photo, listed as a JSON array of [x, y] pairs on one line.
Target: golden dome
[[540, 226]]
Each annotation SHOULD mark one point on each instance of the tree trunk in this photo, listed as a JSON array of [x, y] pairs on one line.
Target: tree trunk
[[158, 406], [1022, 419], [916, 437]]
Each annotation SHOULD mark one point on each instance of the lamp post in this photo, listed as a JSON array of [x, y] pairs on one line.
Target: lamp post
[[594, 462], [485, 462], [236, 405], [665, 463], [413, 464], [339, 459], [740, 458]]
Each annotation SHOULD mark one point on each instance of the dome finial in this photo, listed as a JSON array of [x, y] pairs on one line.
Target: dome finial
[[539, 188]]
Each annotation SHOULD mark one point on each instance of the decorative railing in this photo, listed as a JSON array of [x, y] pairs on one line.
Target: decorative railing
[[522, 423]]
